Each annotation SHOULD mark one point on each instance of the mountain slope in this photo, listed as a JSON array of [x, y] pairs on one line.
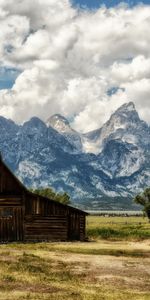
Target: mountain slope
[[52, 154]]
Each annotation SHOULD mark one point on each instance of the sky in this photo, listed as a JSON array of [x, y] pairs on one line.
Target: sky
[[82, 59], [92, 4]]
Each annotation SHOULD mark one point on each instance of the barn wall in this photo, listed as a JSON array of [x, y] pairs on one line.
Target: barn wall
[[28, 217], [10, 200], [44, 207], [82, 227], [11, 207], [53, 228], [45, 220], [49, 220], [11, 223], [76, 227]]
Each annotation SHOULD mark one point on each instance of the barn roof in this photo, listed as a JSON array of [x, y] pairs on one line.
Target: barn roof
[[37, 195]]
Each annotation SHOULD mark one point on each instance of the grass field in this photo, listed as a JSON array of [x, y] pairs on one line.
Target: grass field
[[104, 268], [118, 228]]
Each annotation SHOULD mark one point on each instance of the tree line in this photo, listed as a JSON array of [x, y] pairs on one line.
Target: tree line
[[51, 194]]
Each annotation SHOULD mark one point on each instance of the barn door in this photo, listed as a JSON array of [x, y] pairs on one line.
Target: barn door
[[6, 229], [11, 224]]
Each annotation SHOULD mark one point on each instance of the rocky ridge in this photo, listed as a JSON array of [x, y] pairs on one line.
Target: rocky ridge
[[104, 168]]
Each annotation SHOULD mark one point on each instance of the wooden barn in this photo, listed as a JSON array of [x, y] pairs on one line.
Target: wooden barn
[[25, 216]]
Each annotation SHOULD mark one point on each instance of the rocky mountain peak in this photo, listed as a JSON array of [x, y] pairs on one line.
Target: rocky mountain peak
[[124, 124], [62, 125], [126, 113], [34, 126], [7, 123], [34, 122], [127, 107], [59, 123]]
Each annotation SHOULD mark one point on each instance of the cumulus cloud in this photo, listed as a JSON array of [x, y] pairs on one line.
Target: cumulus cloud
[[69, 60]]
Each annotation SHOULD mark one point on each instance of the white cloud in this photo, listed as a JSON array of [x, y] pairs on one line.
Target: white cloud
[[138, 68], [70, 59]]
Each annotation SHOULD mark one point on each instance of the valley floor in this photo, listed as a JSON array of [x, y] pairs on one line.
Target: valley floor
[[68, 271], [114, 268]]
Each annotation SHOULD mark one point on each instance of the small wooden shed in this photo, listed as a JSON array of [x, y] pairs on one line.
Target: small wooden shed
[[25, 216]]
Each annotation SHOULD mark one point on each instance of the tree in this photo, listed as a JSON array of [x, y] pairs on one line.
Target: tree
[[51, 194], [144, 200]]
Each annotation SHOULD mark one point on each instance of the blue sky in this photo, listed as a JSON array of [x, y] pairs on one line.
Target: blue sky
[[97, 3], [8, 77]]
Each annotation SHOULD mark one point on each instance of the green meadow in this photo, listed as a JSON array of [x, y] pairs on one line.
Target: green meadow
[[111, 228]]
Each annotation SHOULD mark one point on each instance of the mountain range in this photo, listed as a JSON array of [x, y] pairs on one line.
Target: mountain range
[[102, 169]]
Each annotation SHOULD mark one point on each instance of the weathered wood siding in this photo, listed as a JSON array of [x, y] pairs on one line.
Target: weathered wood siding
[[11, 224], [45, 220], [11, 206], [52, 228], [35, 205], [76, 226], [10, 200], [25, 216], [52, 221], [82, 227]]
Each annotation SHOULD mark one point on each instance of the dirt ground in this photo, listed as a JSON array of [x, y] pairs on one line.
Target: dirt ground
[[123, 272], [55, 271]]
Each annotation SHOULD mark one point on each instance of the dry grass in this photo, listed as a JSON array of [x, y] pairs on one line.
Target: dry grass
[[97, 270]]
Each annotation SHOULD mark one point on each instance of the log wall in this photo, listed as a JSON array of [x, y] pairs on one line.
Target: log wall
[[52, 228], [25, 216], [37, 219], [82, 227], [48, 220], [36, 205], [11, 224]]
